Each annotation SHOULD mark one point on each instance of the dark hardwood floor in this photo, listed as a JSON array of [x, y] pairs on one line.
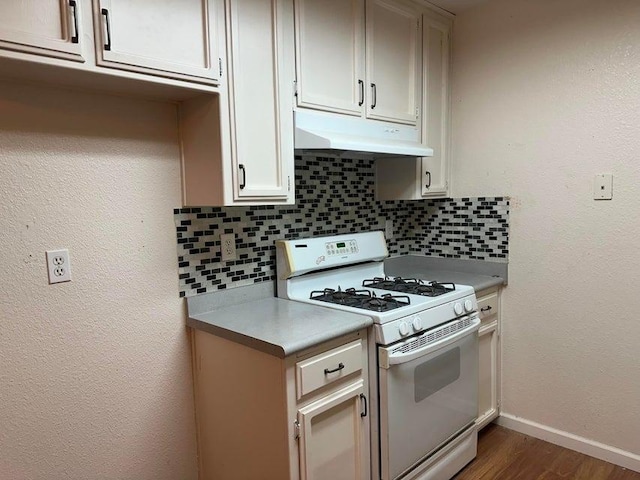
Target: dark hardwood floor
[[504, 454]]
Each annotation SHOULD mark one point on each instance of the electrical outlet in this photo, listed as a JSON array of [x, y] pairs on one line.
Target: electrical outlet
[[59, 266], [228, 246], [388, 229]]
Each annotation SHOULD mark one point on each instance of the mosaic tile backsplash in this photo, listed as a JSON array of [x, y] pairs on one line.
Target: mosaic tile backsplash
[[334, 196]]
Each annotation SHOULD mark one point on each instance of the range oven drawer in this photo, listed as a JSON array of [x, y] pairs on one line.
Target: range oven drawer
[[328, 367]]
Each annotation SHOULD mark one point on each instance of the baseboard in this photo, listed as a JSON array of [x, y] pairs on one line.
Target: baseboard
[[573, 442]]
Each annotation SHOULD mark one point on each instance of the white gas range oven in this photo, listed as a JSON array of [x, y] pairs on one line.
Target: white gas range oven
[[424, 385]]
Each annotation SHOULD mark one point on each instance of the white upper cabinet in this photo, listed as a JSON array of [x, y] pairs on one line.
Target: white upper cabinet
[[260, 100], [171, 38], [359, 58], [435, 169], [237, 147], [413, 178], [393, 61], [43, 27], [330, 67]]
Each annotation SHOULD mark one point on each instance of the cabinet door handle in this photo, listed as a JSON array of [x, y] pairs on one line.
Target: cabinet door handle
[[105, 12], [244, 182], [74, 11], [485, 309], [374, 94], [361, 85], [428, 174], [334, 370], [364, 400]]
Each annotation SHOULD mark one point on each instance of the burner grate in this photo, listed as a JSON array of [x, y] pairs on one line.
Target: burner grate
[[409, 285], [360, 299]]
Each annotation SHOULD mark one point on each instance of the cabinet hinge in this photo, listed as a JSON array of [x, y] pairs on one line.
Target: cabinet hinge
[[220, 66], [296, 430], [295, 88], [289, 183], [417, 112]]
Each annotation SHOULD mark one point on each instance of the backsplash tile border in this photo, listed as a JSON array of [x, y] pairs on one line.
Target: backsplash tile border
[[334, 196]]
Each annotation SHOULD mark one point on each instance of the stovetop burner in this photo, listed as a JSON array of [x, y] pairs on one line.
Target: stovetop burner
[[409, 285], [361, 299]]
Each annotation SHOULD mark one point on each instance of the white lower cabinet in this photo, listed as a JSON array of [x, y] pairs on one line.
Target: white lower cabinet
[[489, 358], [332, 437], [255, 419]]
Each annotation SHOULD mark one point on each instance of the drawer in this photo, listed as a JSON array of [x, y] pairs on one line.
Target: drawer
[[328, 367], [488, 307]]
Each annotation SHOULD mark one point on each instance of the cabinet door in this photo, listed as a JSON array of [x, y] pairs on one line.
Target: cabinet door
[[172, 38], [261, 104], [393, 61], [329, 55], [435, 170], [44, 27], [333, 444], [488, 373]]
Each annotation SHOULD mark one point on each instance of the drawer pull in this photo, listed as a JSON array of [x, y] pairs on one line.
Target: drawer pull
[[337, 369], [485, 309]]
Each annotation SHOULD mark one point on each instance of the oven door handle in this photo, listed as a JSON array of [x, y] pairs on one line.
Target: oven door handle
[[387, 358]]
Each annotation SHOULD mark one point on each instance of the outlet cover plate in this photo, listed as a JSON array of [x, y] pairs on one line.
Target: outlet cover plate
[[228, 246], [59, 266], [388, 229]]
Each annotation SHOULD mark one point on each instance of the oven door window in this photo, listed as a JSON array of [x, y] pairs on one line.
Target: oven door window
[[433, 375]]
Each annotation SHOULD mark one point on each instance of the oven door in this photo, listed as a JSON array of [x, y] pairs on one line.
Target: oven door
[[428, 393]]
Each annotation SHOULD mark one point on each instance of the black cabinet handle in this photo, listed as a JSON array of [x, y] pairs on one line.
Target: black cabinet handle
[[361, 85], [374, 93], [337, 369], [428, 174], [485, 309], [364, 399], [74, 10], [105, 12], [244, 179]]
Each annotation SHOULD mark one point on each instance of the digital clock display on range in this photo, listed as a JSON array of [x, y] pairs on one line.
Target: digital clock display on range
[[341, 245]]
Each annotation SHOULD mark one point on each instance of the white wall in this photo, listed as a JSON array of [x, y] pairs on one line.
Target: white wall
[[546, 94], [95, 379]]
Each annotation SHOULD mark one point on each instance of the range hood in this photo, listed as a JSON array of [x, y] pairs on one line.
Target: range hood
[[325, 131]]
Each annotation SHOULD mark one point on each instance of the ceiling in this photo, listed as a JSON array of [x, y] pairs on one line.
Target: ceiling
[[456, 6]]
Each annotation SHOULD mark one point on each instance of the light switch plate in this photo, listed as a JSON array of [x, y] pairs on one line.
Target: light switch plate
[[603, 187]]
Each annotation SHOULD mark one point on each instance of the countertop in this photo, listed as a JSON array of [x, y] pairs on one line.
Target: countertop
[[480, 275], [272, 325]]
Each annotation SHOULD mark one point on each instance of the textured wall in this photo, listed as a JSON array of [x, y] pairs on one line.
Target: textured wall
[[334, 196], [545, 96], [95, 378]]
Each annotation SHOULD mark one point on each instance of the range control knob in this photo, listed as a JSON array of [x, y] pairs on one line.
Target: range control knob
[[468, 305], [457, 307], [417, 324], [403, 328]]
